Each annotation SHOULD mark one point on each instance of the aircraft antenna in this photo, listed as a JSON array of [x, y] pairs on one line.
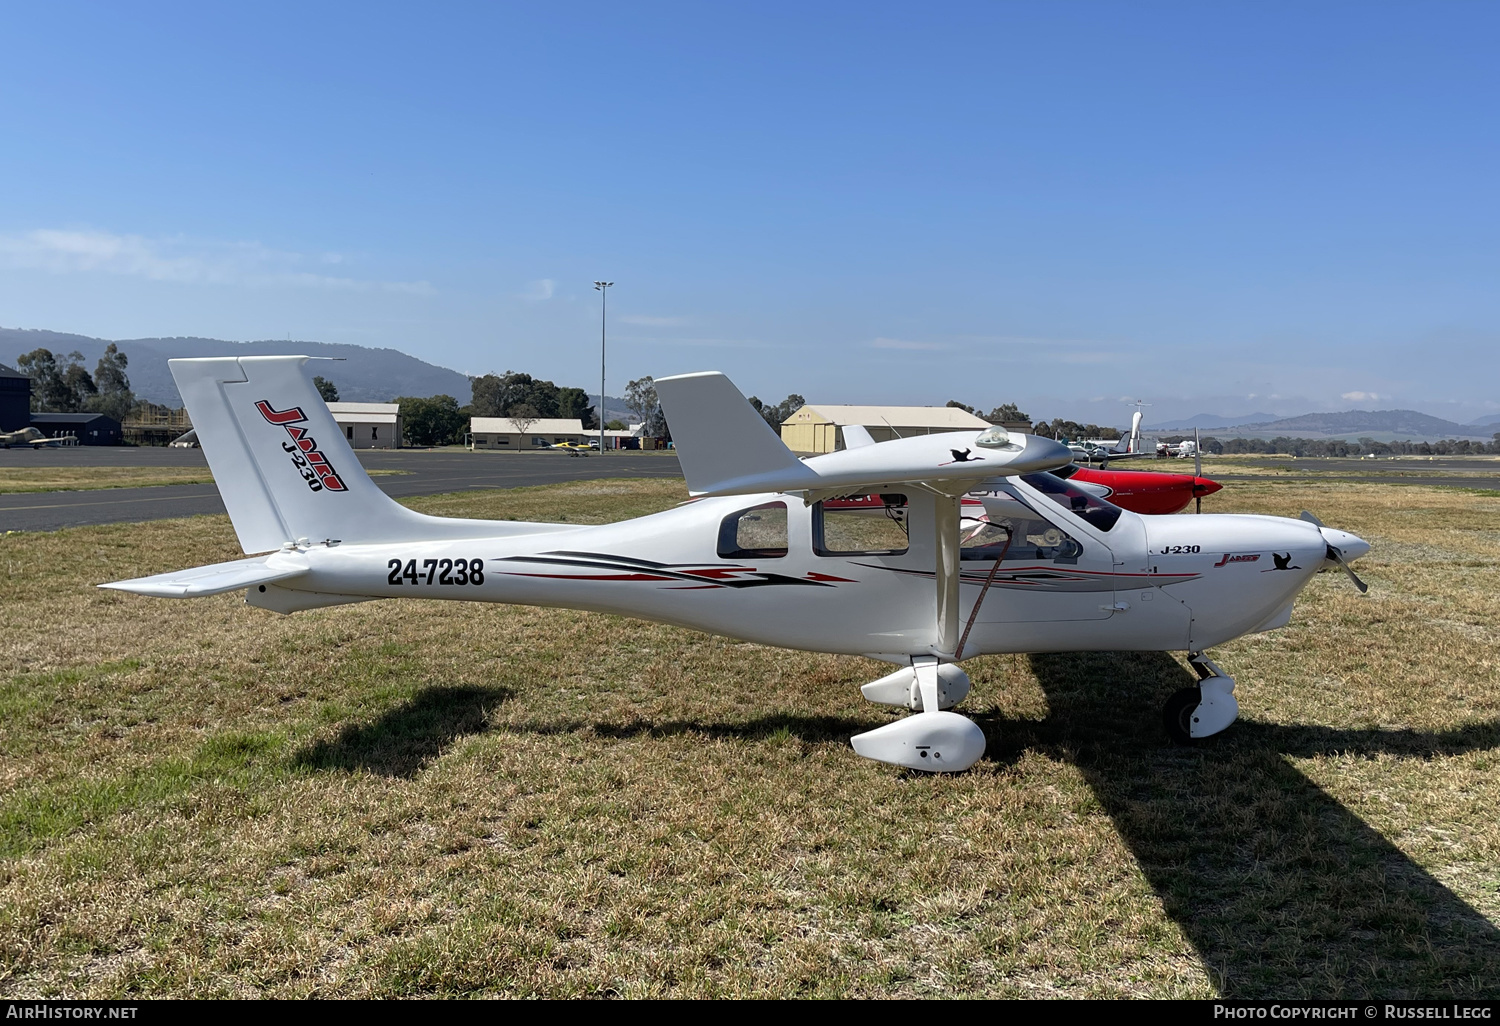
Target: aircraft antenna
[[603, 305]]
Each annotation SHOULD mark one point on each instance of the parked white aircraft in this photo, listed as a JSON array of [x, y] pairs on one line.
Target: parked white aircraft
[[757, 556], [1185, 450], [1102, 450]]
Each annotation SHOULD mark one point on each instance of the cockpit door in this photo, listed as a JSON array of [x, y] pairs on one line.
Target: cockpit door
[[1053, 566]]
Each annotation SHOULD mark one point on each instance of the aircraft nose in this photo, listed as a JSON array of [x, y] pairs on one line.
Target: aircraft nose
[[1350, 546], [1203, 486]]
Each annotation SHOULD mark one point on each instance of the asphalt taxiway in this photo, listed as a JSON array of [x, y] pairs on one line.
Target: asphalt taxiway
[[422, 472], [430, 472]]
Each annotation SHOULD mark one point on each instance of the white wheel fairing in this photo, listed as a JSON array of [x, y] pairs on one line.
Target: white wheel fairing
[[936, 742]]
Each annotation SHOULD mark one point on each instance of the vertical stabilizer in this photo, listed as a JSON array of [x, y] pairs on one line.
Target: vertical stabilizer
[[282, 464], [279, 458]]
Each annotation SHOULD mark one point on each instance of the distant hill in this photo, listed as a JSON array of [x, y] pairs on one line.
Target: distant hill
[[1211, 420], [1491, 421], [365, 375], [1352, 422], [1381, 425]]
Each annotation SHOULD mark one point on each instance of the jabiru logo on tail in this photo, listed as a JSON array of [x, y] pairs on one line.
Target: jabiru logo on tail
[[308, 459]]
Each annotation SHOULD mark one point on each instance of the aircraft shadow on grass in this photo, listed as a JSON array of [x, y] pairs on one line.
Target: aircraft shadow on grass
[[408, 737], [1282, 889]]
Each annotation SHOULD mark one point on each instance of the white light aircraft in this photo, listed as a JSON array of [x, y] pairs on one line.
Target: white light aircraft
[[755, 555]]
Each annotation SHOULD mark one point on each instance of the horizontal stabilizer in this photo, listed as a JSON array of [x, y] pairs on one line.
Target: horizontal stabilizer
[[217, 577], [726, 448]]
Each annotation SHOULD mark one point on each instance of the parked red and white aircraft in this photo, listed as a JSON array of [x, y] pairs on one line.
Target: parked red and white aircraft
[[1141, 491], [759, 556]]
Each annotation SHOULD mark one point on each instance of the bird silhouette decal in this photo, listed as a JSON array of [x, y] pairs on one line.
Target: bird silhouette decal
[[1282, 563], [962, 456]]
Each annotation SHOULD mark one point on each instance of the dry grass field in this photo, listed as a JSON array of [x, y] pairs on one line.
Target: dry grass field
[[1256, 465], [431, 799], [69, 479]]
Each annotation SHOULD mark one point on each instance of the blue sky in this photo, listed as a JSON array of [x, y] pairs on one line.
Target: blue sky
[[1221, 207]]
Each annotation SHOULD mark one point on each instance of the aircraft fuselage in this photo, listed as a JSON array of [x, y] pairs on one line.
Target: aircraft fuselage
[[1179, 583]]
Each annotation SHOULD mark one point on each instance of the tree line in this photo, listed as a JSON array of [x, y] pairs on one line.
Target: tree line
[[61, 384], [440, 420], [1285, 446], [1058, 427], [640, 398]]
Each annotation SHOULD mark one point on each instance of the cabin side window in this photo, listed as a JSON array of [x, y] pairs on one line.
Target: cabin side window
[[861, 525], [755, 533], [1008, 530]]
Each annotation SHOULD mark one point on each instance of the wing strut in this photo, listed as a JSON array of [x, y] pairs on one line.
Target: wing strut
[[945, 522]]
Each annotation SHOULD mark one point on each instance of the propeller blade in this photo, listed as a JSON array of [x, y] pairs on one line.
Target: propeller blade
[[1338, 557], [1311, 519]]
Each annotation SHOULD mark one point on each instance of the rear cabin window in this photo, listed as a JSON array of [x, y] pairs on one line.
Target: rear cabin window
[[861, 525], [755, 533], [1013, 533]]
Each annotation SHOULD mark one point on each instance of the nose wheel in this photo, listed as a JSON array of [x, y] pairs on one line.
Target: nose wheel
[[1177, 715], [1195, 713]]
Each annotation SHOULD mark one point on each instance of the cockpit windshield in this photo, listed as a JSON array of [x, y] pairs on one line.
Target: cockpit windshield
[[1094, 510]]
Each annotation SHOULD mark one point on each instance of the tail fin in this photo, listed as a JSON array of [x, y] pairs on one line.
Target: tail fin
[[282, 464]]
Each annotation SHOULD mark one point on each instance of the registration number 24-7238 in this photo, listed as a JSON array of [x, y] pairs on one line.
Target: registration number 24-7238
[[436, 571]]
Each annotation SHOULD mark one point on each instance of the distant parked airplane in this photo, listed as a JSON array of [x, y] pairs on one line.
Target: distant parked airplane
[[34, 438]]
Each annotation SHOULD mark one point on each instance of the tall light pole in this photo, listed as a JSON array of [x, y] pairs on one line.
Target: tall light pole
[[603, 305]]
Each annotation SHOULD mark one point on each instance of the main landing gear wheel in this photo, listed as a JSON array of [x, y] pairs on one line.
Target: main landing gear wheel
[[934, 740], [1177, 715]]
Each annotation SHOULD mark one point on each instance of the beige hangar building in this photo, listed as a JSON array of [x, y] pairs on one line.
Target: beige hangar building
[[369, 425], [818, 428], [504, 433]]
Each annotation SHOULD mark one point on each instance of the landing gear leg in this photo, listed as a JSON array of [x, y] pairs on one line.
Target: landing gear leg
[[932, 739], [1203, 711]]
